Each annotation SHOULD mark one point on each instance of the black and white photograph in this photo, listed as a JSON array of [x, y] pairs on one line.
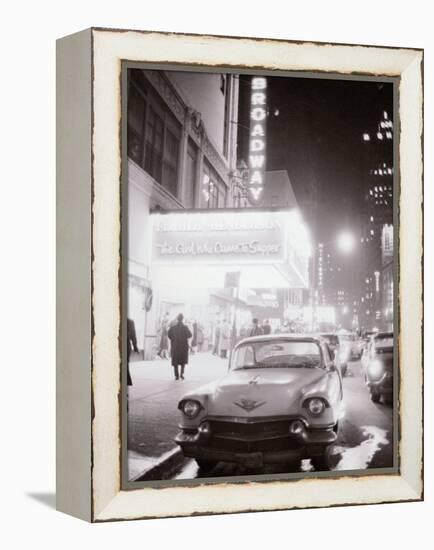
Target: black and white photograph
[[259, 262]]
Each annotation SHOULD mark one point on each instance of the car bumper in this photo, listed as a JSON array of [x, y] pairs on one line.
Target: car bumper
[[384, 384], [251, 452]]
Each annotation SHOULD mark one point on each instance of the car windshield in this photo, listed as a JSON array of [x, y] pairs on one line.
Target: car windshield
[[276, 354]]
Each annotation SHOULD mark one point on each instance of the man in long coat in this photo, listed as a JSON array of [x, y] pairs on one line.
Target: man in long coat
[[256, 330], [179, 335]]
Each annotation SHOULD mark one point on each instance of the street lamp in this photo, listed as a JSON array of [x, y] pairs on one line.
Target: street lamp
[[346, 242]]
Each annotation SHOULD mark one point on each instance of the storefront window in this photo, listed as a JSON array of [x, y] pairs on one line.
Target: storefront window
[[136, 121], [191, 174], [154, 134], [213, 192], [154, 145], [170, 163]]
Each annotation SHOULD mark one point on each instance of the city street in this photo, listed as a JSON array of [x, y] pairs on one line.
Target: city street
[[153, 398], [266, 209], [365, 435]]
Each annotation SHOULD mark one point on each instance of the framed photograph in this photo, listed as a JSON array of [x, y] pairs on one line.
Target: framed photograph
[[239, 274]]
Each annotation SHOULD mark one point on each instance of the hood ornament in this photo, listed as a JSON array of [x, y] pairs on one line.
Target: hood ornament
[[249, 404], [255, 379]]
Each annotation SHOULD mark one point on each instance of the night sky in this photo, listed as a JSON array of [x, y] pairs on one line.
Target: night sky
[[317, 139]]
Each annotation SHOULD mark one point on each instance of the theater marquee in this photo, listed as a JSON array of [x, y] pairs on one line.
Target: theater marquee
[[219, 237]]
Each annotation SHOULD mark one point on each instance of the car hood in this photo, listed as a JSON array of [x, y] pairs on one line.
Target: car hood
[[263, 392]]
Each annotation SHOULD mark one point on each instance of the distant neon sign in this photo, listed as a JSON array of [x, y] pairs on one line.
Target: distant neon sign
[[257, 144]]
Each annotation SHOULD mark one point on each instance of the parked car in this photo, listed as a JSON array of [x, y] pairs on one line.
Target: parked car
[[377, 364], [340, 355], [353, 344], [281, 400], [357, 348], [344, 351]]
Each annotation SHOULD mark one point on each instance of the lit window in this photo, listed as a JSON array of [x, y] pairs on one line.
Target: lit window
[[366, 137]]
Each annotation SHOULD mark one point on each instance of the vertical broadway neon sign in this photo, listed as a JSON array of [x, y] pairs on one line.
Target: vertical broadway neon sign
[[257, 144]]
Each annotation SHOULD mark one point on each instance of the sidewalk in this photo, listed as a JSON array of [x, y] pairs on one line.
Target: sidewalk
[[153, 414]]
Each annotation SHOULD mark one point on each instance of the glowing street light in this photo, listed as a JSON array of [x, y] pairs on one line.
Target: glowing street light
[[346, 242]]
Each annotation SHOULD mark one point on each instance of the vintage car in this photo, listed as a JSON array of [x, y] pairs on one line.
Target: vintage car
[[350, 347], [341, 355], [280, 401], [377, 364]]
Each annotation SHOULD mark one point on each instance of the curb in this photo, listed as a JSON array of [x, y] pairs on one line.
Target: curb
[[163, 469]]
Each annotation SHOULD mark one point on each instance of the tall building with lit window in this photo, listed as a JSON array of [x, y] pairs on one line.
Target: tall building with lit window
[[333, 288], [181, 148], [378, 214]]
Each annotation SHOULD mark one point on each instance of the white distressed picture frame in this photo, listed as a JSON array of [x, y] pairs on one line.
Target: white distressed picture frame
[[88, 271]]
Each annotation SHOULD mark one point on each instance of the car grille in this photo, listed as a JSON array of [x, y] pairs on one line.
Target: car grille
[[255, 436]]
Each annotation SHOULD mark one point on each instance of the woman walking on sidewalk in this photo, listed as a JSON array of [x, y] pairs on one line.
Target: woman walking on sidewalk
[[179, 335], [163, 350]]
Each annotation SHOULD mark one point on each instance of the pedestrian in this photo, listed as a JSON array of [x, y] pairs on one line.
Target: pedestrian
[[131, 346], [179, 336], [225, 339], [256, 330], [200, 337], [215, 350], [163, 348], [194, 338], [266, 327]]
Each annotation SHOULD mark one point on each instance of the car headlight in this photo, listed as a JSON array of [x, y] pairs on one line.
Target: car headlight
[[315, 406], [190, 408], [375, 369]]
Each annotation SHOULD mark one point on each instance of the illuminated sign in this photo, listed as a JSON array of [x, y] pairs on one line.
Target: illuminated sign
[[215, 237], [236, 238], [257, 144]]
